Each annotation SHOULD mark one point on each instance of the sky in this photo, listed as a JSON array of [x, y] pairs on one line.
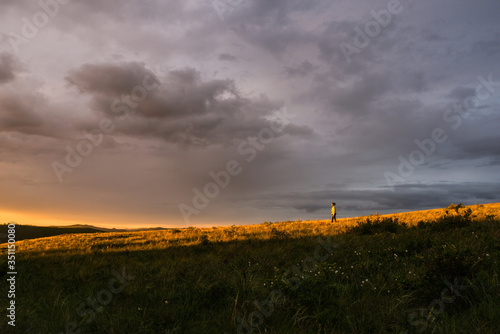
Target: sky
[[195, 113]]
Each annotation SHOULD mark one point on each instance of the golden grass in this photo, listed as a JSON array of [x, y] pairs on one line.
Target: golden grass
[[161, 239]]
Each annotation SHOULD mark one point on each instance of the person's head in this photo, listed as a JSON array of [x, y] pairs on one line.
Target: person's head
[[333, 204]]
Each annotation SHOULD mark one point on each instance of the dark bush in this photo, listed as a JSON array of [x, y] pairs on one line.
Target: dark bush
[[204, 240], [379, 225], [456, 216], [279, 234]]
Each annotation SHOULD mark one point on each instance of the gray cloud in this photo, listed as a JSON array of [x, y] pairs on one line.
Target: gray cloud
[[460, 93], [8, 67], [107, 79], [184, 109], [489, 47], [227, 57], [219, 83], [300, 70], [404, 197]]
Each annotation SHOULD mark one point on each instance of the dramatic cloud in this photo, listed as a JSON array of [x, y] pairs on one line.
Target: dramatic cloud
[[119, 112], [181, 109]]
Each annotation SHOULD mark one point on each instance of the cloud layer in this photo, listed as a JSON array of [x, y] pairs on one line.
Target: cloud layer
[[146, 99]]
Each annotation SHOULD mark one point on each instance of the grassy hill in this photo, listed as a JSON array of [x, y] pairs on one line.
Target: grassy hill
[[32, 232], [427, 271], [24, 232]]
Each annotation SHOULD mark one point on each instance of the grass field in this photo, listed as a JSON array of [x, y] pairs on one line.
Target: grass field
[[432, 271], [24, 232]]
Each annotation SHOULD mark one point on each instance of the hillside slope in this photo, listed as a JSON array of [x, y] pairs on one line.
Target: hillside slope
[[370, 275]]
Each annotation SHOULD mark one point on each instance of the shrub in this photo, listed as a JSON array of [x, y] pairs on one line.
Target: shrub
[[204, 240], [231, 231], [457, 218], [379, 225], [279, 234]]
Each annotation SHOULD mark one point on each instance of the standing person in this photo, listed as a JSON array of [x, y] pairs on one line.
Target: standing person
[[334, 213]]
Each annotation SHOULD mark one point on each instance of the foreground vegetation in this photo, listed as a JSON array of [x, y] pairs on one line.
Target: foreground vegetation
[[429, 271]]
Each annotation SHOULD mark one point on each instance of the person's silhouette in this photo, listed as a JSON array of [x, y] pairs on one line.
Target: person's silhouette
[[334, 213]]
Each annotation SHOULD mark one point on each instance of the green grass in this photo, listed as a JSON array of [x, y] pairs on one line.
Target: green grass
[[379, 276]]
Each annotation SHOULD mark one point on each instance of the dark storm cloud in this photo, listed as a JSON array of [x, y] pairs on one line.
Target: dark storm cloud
[[478, 148], [18, 113], [404, 197], [183, 109], [227, 57], [8, 67], [332, 35], [300, 70], [489, 47], [460, 93], [361, 96], [357, 99], [270, 25], [431, 35], [27, 112], [107, 79]]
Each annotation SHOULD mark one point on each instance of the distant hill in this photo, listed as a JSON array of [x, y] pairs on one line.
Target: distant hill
[[24, 232], [32, 232]]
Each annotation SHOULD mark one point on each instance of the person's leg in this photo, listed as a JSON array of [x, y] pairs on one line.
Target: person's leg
[[332, 219], [335, 217]]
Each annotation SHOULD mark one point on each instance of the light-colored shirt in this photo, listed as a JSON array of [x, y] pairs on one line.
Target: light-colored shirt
[[333, 210]]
